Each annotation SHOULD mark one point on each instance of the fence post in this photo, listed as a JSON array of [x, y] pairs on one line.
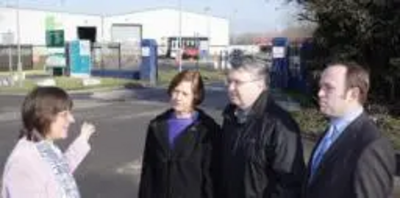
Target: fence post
[[119, 56], [31, 47], [10, 59], [102, 46]]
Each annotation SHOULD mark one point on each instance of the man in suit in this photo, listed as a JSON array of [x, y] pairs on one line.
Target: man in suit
[[352, 159]]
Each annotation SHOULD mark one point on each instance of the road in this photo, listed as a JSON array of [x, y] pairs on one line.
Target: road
[[113, 166]]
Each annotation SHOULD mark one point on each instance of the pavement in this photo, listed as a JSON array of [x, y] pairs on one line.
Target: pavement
[[113, 166]]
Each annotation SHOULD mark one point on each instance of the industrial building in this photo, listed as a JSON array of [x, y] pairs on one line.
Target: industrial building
[[166, 25]]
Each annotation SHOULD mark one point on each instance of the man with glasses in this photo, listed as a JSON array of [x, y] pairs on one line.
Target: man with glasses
[[261, 150]]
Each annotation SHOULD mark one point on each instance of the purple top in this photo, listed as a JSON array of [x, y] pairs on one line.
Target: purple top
[[178, 125]]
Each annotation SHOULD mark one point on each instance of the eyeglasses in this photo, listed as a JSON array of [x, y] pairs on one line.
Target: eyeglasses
[[238, 83]]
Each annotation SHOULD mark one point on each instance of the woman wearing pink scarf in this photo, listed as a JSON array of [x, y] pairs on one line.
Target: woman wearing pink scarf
[[36, 168]]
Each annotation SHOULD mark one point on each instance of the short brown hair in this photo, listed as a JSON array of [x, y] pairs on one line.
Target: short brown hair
[[39, 109], [356, 77], [197, 82]]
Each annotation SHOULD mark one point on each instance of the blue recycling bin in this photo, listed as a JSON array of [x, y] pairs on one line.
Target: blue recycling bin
[[79, 58], [279, 72], [149, 65], [305, 51]]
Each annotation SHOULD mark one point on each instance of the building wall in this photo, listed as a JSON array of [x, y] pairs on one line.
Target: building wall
[[162, 23], [156, 24], [33, 24]]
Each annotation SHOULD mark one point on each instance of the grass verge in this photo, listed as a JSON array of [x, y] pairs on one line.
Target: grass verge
[[313, 123], [72, 84]]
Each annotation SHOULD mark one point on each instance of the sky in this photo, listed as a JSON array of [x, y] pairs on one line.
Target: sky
[[253, 16]]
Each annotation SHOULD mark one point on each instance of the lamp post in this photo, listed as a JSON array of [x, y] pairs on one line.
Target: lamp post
[[180, 36], [19, 62], [233, 18], [207, 12], [102, 43]]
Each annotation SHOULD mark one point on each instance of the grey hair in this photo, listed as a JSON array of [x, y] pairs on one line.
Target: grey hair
[[253, 65]]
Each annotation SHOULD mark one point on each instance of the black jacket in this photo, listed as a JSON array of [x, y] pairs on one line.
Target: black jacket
[[262, 158], [359, 164], [184, 171]]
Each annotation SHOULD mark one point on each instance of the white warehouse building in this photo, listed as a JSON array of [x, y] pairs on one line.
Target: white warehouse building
[[165, 25]]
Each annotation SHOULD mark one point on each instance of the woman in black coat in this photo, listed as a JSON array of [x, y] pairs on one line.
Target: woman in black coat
[[179, 158]]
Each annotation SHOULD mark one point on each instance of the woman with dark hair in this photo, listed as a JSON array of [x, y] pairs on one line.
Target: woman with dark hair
[[178, 160], [36, 168]]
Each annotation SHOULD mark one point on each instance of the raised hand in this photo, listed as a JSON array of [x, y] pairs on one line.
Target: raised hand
[[87, 129]]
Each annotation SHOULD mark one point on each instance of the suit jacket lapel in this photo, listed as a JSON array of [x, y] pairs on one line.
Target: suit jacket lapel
[[338, 145], [332, 152], [310, 160]]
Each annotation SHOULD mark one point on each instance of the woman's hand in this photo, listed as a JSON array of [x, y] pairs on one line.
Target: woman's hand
[[87, 129]]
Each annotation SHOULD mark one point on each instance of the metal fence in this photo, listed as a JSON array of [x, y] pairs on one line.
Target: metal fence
[[106, 56], [9, 57], [40, 54], [109, 56], [116, 56]]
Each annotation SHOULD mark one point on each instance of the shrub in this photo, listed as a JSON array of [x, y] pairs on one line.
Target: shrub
[[312, 124]]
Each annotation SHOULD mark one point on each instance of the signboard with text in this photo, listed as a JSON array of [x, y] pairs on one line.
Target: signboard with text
[[79, 56], [55, 38]]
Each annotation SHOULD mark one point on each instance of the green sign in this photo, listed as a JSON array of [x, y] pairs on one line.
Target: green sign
[[51, 23], [55, 38]]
